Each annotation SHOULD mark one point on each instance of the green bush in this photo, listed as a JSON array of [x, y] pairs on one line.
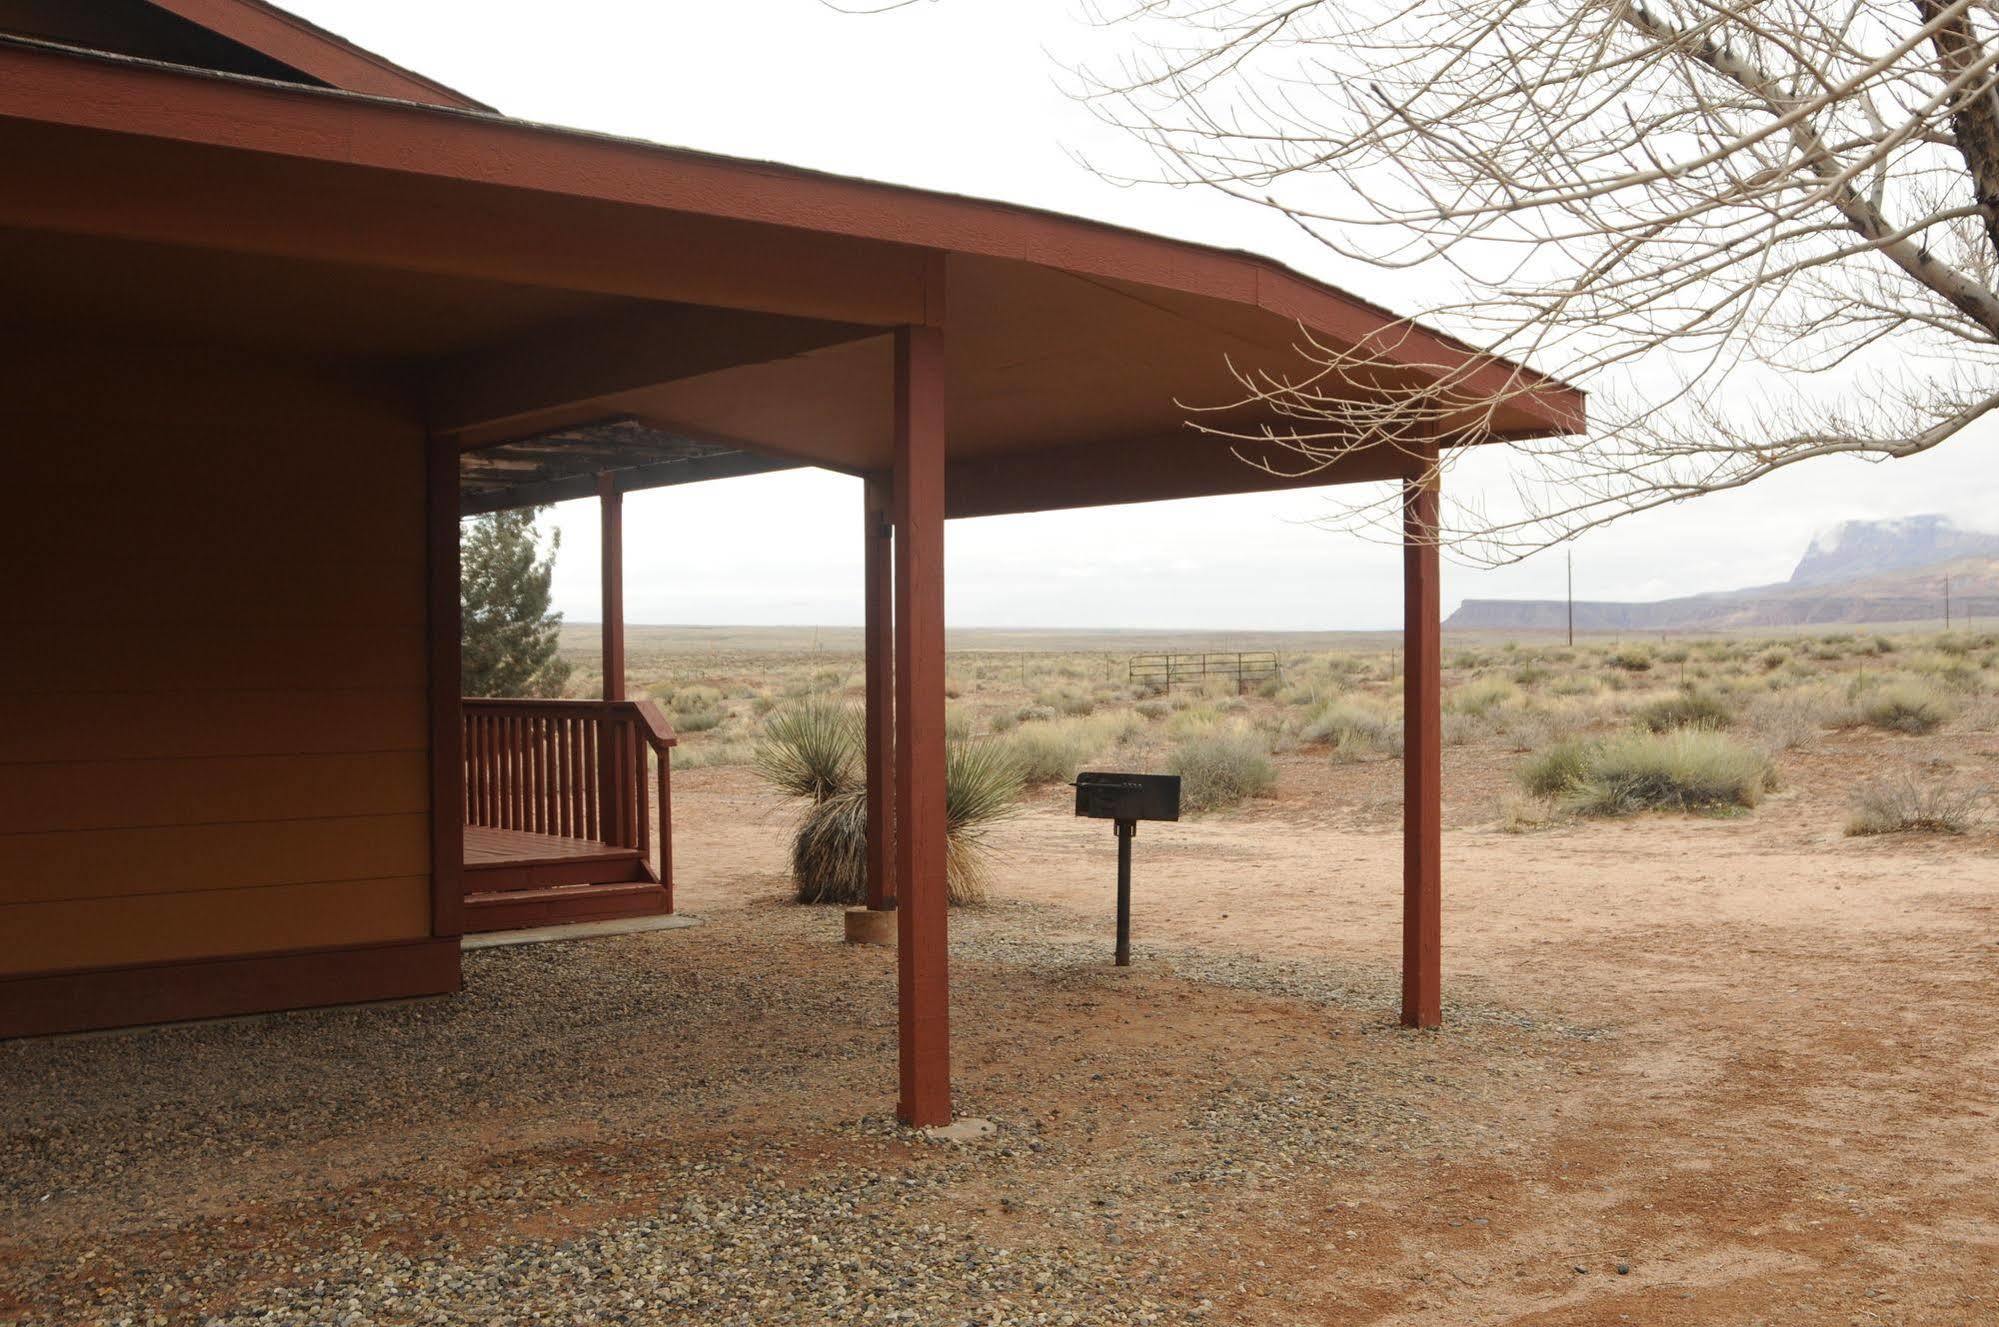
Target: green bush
[[1687, 769], [1692, 708], [1221, 766], [1903, 707]]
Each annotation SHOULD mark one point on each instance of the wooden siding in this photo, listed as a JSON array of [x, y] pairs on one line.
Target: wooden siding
[[213, 728]]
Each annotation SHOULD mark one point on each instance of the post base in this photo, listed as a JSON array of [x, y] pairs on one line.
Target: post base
[[870, 926]]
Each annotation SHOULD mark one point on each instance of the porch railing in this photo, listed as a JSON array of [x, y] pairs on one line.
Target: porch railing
[[576, 769]]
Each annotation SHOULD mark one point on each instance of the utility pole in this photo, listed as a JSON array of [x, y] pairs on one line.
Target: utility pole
[[1570, 553]]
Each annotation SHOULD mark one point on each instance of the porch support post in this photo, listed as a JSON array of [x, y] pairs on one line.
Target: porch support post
[[447, 711], [879, 572], [922, 987], [1422, 767], [613, 547]]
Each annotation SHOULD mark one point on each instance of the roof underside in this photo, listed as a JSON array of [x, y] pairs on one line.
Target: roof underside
[[572, 305]]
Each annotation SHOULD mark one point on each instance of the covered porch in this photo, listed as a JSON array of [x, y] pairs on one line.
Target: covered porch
[[509, 314]]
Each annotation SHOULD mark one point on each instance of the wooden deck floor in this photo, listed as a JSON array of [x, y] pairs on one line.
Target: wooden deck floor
[[495, 847]]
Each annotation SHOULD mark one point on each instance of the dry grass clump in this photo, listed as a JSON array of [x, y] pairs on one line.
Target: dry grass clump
[[1683, 769], [1906, 805], [1222, 766], [1786, 720], [1051, 752], [1355, 728], [1631, 659], [1692, 707], [1903, 707], [1481, 696]]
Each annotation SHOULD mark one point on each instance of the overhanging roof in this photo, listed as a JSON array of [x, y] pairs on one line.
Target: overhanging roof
[[540, 280]]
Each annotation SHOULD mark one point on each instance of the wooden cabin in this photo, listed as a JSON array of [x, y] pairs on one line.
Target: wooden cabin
[[278, 313]]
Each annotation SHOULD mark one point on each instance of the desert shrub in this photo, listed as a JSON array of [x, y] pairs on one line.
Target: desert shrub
[[1067, 701], [1691, 708], [1153, 709], [1034, 713], [1524, 815], [1903, 707], [1557, 768], [829, 854], [1005, 721], [1463, 729], [713, 752], [810, 748], [1354, 728], [1790, 719], [1906, 804], [1531, 674], [1221, 767], [1631, 659], [698, 720], [1774, 659], [1687, 769], [1676, 654], [1480, 696], [1053, 751]]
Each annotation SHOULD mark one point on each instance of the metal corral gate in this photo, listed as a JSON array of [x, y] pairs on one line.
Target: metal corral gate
[[1166, 671]]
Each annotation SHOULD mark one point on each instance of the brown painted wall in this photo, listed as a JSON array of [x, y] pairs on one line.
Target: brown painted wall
[[213, 735]]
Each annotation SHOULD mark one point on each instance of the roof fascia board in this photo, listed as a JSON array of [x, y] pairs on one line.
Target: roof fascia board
[[314, 51]]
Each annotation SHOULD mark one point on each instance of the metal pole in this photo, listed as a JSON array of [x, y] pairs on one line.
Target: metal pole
[[1125, 829]]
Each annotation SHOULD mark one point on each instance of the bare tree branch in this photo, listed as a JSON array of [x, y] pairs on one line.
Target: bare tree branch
[[1696, 208]]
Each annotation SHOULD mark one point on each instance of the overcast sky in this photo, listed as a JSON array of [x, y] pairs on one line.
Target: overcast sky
[[964, 95]]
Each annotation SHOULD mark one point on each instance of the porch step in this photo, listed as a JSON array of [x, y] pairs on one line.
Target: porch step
[[512, 909]]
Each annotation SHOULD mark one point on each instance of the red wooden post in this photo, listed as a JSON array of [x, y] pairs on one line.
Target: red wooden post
[[612, 503], [879, 574], [611, 770], [922, 986], [446, 708], [1423, 759]]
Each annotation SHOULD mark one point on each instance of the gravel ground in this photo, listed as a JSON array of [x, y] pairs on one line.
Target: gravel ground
[[688, 1127]]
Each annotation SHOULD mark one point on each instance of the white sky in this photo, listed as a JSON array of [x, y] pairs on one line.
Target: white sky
[[963, 95]]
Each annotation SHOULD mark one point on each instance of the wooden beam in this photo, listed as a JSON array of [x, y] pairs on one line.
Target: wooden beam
[[729, 465], [579, 370], [878, 544], [922, 986], [612, 548], [442, 629], [1422, 761], [1156, 469]]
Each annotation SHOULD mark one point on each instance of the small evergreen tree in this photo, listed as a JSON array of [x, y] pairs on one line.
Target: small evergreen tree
[[510, 635]]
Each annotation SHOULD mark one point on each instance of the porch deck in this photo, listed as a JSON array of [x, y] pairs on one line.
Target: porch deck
[[557, 818]]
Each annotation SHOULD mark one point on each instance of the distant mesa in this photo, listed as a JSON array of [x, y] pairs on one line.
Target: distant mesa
[[1856, 571]]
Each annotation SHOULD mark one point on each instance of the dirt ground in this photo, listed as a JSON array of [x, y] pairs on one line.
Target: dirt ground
[[1695, 1071]]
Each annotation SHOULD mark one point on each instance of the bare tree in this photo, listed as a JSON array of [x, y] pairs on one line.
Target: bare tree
[[1760, 231]]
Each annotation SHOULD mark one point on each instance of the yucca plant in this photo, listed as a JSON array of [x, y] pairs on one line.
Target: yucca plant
[[810, 748]]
